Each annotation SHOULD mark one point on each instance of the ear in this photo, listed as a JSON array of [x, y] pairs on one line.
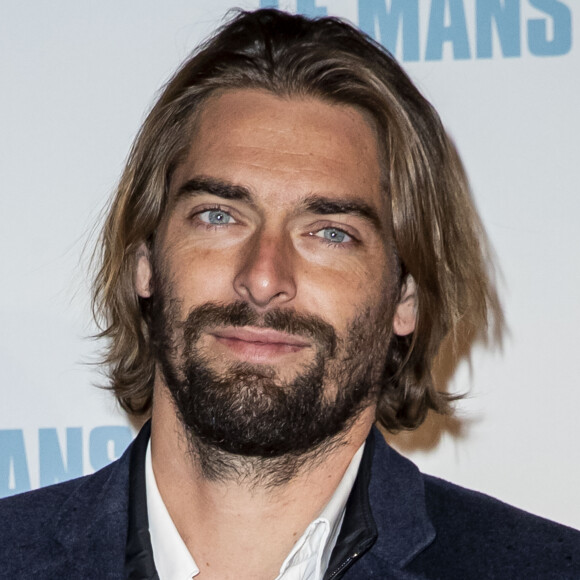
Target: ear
[[406, 312], [143, 272]]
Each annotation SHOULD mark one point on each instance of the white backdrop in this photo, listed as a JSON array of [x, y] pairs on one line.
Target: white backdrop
[[76, 81]]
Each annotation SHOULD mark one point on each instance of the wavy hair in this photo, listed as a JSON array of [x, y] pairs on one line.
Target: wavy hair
[[437, 234]]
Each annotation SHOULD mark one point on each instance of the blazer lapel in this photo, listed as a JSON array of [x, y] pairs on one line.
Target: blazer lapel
[[91, 525]]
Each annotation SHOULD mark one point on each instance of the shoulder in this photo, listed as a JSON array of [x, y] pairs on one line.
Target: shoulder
[[41, 528], [454, 507], [35, 508], [431, 528], [477, 532]]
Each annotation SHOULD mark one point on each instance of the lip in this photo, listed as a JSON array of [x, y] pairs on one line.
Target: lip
[[259, 344], [260, 336]]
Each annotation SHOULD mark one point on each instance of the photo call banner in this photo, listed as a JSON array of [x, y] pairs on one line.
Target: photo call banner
[[78, 79]]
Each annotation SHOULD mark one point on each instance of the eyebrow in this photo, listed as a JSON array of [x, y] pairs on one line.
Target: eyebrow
[[213, 186], [326, 206]]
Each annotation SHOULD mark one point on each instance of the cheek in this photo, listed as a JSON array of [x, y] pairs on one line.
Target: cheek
[[200, 276], [339, 297]]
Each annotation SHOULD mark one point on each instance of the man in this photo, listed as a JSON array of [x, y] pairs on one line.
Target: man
[[291, 240]]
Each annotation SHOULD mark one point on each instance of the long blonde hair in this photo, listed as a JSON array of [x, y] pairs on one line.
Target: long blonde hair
[[437, 234]]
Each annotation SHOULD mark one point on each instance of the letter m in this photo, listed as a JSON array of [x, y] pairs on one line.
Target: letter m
[[384, 22]]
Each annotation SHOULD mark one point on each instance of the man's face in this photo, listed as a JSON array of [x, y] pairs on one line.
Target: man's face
[[274, 279]]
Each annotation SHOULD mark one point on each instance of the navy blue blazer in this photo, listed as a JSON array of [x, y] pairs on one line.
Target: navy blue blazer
[[426, 528]]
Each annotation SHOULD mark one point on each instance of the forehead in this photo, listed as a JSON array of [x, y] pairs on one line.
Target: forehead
[[284, 148]]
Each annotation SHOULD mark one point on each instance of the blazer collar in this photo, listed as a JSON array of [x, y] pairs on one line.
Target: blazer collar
[[397, 498]]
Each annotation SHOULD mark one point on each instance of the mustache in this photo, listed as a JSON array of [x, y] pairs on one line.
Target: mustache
[[213, 314]]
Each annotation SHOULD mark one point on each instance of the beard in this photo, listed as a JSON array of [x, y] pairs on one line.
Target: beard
[[238, 413]]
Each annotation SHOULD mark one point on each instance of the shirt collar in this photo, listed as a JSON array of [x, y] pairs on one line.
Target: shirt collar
[[311, 553], [308, 558]]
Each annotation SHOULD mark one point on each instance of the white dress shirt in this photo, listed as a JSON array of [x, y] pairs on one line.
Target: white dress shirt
[[307, 560]]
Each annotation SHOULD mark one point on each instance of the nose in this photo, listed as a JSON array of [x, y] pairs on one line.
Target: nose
[[266, 276]]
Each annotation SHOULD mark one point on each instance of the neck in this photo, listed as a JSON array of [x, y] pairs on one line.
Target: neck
[[221, 468], [253, 503]]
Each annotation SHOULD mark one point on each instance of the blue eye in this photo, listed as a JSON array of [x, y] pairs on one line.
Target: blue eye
[[334, 235], [215, 217]]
